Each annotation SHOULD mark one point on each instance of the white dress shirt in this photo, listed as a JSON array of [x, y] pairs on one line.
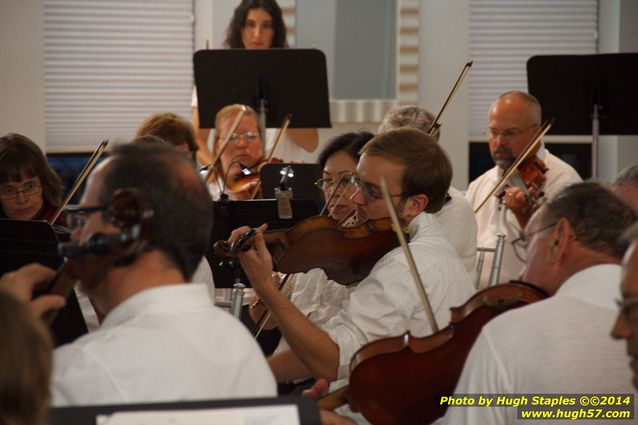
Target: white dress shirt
[[457, 218], [203, 274], [386, 303], [559, 345], [167, 343], [493, 218]]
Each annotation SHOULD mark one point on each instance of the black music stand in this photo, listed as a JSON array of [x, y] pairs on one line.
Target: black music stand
[[86, 415], [587, 94], [275, 82], [23, 242]]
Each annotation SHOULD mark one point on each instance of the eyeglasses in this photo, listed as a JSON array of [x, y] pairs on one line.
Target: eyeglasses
[[327, 184], [369, 191], [248, 137], [520, 244], [31, 187], [507, 134], [76, 216], [629, 309]]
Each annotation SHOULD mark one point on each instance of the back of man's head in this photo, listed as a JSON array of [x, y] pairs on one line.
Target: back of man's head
[[181, 203], [596, 215], [411, 116], [427, 169]]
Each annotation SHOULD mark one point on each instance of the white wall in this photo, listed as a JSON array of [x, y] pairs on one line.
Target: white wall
[[444, 24], [443, 51], [22, 68], [618, 33]]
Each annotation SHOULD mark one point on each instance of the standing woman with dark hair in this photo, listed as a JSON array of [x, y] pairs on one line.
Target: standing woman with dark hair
[[29, 188], [257, 24]]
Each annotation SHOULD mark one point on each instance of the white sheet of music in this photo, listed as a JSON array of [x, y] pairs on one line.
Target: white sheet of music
[[257, 415]]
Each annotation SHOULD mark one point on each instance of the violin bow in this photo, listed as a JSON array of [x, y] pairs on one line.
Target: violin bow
[[211, 167], [282, 131], [261, 323], [420, 288], [97, 153], [434, 127], [522, 157]]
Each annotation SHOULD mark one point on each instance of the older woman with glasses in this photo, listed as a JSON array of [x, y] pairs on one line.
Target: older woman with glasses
[[29, 188]]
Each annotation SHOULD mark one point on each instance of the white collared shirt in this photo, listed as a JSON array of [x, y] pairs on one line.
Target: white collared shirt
[[167, 343], [493, 218], [558, 345], [457, 218], [386, 303]]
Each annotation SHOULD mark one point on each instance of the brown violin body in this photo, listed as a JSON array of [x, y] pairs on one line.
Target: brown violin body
[[424, 369], [531, 175], [242, 185], [532, 171], [346, 254]]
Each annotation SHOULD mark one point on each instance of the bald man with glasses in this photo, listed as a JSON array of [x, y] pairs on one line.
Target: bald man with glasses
[[513, 120]]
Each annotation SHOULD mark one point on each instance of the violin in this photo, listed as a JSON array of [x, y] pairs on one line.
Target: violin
[[532, 169], [132, 212], [346, 254], [529, 176], [423, 368], [249, 178]]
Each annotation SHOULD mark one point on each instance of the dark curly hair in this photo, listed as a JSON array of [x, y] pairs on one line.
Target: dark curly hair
[[351, 143], [233, 32]]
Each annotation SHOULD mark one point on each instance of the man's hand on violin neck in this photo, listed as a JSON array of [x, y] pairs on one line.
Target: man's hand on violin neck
[[22, 282], [520, 204], [256, 260]]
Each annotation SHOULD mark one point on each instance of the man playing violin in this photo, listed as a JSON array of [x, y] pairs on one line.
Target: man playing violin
[[418, 174], [457, 215], [572, 248], [161, 336], [513, 120]]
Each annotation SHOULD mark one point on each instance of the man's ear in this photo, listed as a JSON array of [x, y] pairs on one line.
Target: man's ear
[[416, 204], [559, 240]]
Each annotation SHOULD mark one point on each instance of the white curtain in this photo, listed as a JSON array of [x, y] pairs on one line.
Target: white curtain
[[504, 34], [110, 64]]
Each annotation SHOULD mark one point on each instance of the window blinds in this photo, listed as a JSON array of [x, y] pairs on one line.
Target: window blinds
[[110, 64], [504, 34]]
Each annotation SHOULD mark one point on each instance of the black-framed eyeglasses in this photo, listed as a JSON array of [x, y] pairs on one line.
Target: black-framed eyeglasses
[[520, 244], [371, 192], [629, 309], [30, 188], [77, 215]]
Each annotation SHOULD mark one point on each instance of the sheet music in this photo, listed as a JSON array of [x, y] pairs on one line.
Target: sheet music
[[258, 415]]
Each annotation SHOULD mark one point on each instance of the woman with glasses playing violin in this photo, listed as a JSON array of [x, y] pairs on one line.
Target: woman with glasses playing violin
[[242, 153], [29, 188]]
